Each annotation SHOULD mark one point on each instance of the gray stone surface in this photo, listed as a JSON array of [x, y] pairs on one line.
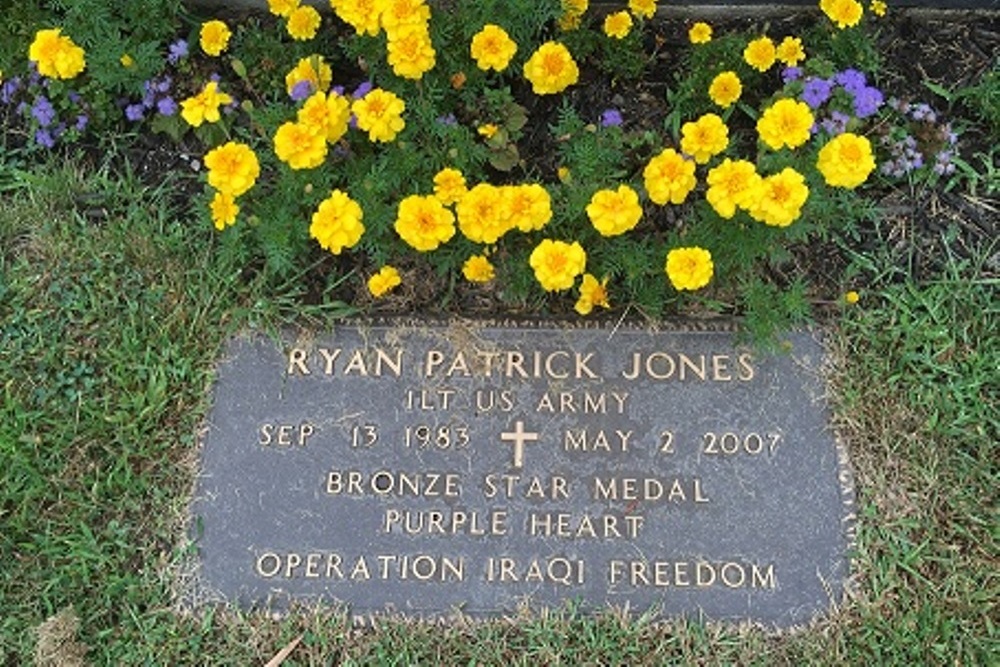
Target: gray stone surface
[[425, 470]]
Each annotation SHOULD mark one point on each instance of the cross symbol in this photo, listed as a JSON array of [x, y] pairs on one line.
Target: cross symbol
[[519, 436]]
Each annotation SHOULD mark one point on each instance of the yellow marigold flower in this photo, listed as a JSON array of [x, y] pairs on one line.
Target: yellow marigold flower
[[557, 264], [845, 13], [411, 53], [846, 161], [790, 51], [424, 222], [529, 206], [300, 146], [669, 177], [398, 13], [483, 214], [700, 33], [327, 114], [487, 130], [303, 23], [785, 123], [336, 223], [224, 210], [780, 198], [313, 69], [689, 268], [214, 37], [282, 7], [731, 185], [878, 8], [551, 69], [385, 280], [380, 114], [204, 107], [643, 8], [760, 54], [573, 11], [706, 137], [338, 110], [614, 212], [492, 48], [362, 15], [233, 168], [592, 293], [618, 25], [564, 174], [449, 186], [725, 89], [56, 55], [478, 269], [852, 297], [126, 60]]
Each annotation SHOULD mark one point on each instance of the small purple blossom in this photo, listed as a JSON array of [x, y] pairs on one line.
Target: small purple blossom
[[44, 138], [816, 91], [81, 122], [177, 51], [867, 102], [611, 118], [923, 112], [43, 111], [166, 106], [943, 164], [9, 89], [448, 120], [790, 74], [363, 89], [134, 112], [836, 124], [162, 85], [851, 80], [301, 90]]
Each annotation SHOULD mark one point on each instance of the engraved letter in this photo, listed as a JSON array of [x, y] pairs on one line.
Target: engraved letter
[[297, 359]]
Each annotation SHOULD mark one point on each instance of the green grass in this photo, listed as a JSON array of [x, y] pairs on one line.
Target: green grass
[[110, 329], [114, 303]]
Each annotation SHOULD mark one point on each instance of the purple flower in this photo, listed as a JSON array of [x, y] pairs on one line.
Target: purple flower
[[301, 90], [44, 138], [816, 91], [923, 112], [851, 80], [9, 89], [74, 97], [790, 74], [836, 123], [338, 89], [448, 120], [867, 101], [134, 112], [166, 106], [162, 85], [611, 118], [362, 89], [81, 122], [43, 111], [177, 51]]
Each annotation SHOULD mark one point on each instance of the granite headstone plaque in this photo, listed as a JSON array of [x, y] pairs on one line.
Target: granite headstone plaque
[[431, 469]]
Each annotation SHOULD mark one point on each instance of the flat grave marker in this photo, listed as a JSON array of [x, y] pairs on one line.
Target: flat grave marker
[[431, 469]]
